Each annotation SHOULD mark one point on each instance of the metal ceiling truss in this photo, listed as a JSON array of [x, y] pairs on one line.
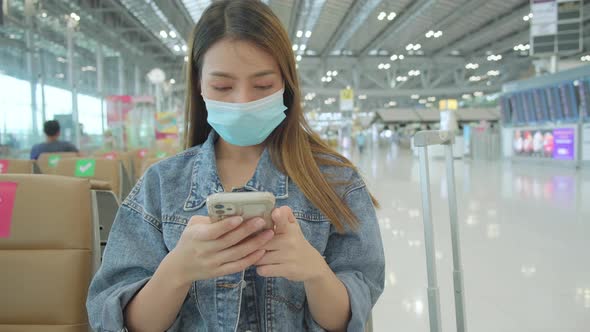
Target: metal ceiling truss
[[403, 20], [356, 16], [475, 36]]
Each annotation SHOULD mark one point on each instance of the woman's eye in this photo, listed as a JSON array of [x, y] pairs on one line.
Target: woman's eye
[[221, 88], [265, 87]]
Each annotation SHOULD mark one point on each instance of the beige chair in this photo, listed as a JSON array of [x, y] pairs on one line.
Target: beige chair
[[17, 166], [43, 161], [124, 157], [50, 256], [110, 171], [137, 159]]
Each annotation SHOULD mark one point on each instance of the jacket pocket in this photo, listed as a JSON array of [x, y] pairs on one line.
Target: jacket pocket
[[316, 229], [172, 228]]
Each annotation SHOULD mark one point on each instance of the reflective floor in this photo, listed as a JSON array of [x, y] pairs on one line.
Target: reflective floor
[[525, 241]]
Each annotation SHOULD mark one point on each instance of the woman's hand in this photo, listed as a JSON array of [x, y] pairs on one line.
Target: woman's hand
[[288, 254], [207, 250]]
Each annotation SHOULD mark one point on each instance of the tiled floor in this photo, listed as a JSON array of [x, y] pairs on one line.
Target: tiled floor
[[525, 240]]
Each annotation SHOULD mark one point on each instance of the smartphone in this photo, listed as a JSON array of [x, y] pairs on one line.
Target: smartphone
[[248, 205]]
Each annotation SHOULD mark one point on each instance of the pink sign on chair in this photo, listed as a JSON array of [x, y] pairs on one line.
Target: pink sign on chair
[[7, 197], [110, 155], [3, 166]]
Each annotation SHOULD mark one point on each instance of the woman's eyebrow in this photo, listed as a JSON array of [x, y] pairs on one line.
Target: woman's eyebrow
[[230, 76]]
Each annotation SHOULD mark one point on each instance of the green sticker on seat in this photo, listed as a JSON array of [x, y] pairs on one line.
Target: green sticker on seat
[[85, 168], [53, 160], [161, 154]]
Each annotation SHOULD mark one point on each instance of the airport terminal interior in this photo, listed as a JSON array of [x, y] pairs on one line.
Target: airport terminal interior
[[468, 120]]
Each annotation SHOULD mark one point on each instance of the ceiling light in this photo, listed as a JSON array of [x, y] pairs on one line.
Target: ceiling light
[[329, 79], [176, 48], [455, 52], [172, 81], [307, 34], [335, 73], [329, 73], [392, 103], [493, 73], [299, 57], [44, 14], [362, 97], [409, 47], [172, 34], [526, 18], [391, 16], [420, 52], [585, 58], [474, 78], [303, 47], [381, 66], [431, 99], [478, 94], [402, 78], [466, 96], [295, 47], [184, 48], [60, 59], [415, 96], [438, 34], [429, 34], [401, 57], [163, 34], [393, 57], [299, 34], [417, 47], [422, 101], [381, 16], [472, 66], [186, 58], [387, 66]]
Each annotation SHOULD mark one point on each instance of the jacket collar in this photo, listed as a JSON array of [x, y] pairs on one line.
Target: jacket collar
[[205, 179]]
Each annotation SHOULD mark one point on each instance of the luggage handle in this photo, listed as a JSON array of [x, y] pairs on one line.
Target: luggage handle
[[422, 140], [433, 137]]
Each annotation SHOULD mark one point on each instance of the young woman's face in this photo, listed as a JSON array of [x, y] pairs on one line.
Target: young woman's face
[[239, 72]]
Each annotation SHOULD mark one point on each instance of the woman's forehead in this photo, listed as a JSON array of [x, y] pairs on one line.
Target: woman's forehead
[[241, 58]]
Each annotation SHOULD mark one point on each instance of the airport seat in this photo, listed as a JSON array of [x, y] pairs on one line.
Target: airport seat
[[49, 256], [124, 157], [16, 166], [47, 162], [137, 158], [111, 171]]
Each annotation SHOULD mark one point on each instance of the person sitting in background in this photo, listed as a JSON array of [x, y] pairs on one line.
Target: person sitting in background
[[53, 144]]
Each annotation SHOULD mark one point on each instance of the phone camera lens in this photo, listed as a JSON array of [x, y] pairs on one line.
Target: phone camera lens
[[229, 209], [219, 206], [220, 212]]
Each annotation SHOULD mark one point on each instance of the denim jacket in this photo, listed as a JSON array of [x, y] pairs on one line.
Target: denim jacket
[[152, 218]]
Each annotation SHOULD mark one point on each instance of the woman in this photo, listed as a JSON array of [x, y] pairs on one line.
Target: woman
[[167, 267]]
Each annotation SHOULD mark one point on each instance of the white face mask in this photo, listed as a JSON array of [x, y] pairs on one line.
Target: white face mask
[[246, 124]]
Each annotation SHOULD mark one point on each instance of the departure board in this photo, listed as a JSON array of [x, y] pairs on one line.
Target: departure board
[[568, 101], [584, 92], [554, 103], [540, 105]]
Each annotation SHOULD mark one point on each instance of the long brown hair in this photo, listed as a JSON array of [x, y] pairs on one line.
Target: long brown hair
[[294, 148]]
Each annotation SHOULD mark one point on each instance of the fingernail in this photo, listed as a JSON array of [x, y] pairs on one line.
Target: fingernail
[[260, 222], [236, 220]]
